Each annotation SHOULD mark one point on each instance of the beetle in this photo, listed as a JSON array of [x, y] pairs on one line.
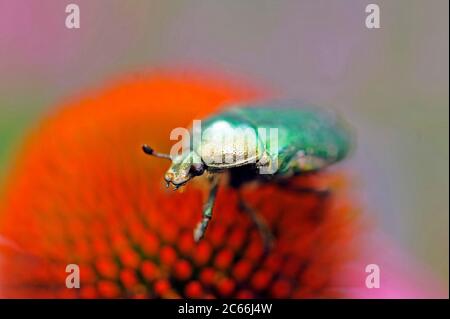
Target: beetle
[[308, 140]]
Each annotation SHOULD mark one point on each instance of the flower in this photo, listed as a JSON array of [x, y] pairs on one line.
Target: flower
[[83, 192]]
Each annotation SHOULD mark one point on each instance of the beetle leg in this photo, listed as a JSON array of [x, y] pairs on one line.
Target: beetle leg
[[199, 231], [266, 165], [259, 222]]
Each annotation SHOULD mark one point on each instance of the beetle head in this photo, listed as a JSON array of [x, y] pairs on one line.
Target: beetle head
[[184, 167]]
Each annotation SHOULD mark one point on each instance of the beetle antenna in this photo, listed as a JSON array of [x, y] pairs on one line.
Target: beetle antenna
[[150, 151]]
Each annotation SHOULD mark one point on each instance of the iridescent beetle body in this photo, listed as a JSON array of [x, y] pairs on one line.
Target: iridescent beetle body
[[308, 139]]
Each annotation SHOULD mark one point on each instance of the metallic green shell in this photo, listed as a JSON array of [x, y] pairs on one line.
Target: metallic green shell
[[310, 131]]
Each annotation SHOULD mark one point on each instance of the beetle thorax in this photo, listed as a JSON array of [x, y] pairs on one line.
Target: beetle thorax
[[224, 145]]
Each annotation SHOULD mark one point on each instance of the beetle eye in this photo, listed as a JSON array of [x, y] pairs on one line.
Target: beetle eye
[[197, 169]]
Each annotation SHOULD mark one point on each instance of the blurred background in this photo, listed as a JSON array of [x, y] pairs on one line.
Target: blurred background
[[390, 83]]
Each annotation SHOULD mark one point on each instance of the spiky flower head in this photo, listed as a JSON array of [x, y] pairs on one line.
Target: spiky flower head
[[82, 192]]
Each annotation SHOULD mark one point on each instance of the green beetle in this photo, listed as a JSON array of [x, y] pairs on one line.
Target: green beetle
[[305, 139]]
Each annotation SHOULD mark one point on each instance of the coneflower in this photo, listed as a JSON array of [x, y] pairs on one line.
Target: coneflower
[[82, 192]]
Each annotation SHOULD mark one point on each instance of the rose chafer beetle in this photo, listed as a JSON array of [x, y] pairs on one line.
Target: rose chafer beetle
[[307, 139]]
